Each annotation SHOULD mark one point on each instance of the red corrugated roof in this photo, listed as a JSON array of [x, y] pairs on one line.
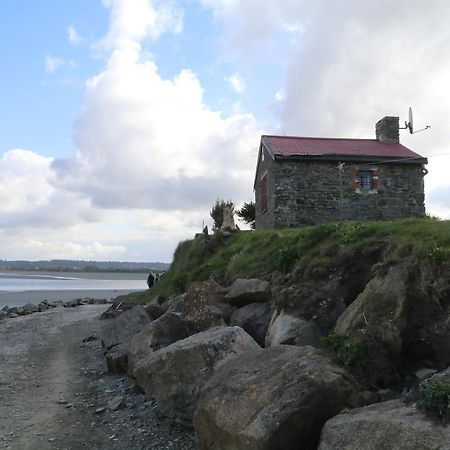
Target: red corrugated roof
[[286, 146]]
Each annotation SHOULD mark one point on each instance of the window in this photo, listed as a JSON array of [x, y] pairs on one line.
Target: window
[[264, 194], [365, 179]]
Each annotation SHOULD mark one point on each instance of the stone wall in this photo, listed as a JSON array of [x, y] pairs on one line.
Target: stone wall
[[308, 192], [268, 168]]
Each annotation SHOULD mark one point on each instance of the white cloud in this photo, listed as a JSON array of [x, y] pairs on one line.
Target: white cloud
[[25, 174], [134, 20], [237, 83], [280, 96], [73, 36], [30, 200], [146, 145], [54, 63], [51, 249], [148, 142]]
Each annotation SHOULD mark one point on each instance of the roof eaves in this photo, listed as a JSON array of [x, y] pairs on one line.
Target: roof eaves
[[353, 158]]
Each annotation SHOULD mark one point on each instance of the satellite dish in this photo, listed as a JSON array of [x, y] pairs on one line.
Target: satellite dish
[[410, 123], [410, 126]]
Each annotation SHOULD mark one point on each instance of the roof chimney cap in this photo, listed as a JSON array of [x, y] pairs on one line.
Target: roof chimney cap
[[387, 130]]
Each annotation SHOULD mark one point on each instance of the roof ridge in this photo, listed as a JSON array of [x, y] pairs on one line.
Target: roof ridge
[[318, 137]]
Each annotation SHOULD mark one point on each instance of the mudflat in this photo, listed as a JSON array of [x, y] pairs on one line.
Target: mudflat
[[55, 392]]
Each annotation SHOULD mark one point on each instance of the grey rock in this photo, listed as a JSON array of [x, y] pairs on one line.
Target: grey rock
[[116, 403], [424, 373], [174, 303], [117, 335], [201, 306], [387, 425], [153, 307], [30, 308], [123, 328], [275, 399], [381, 308], [286, 329], [175, 374], [245, 291], [254, 319], [117, 358], [161, 332]]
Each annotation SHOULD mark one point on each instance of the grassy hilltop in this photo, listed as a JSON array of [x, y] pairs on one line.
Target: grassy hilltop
[[261, 253]]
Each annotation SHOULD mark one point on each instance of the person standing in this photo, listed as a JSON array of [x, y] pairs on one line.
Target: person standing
[[150, 280]]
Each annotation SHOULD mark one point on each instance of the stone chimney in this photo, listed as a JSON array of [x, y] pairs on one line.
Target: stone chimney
[[386, 130]]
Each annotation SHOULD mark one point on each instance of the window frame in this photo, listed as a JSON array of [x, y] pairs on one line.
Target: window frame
[[366, 181], [365, 178]]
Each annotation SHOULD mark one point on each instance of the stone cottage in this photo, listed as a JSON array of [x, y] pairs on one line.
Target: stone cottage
[[308, 180]]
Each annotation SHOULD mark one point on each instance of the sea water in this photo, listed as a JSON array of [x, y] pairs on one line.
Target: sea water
[[18, 288]]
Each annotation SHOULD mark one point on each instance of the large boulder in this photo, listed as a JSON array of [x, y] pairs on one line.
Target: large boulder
[[379, 316], [286, 329], [117, 334], [275, 399], [254, 319], [381, 309], [175, 374], [161, 332], [387, 425], [244, 291], [204, 307]]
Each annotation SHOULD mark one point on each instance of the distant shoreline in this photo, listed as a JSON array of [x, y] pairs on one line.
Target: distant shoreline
[[64, 270], [22, 298]]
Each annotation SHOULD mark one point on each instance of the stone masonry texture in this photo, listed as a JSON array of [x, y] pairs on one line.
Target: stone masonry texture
[[307, 192]]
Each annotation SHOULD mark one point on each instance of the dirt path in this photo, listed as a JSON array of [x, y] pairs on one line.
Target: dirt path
[[54, 390]]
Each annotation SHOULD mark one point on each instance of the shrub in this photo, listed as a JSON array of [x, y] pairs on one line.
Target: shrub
[[247, 213], [345, 351], [435, 398], [216, 212], [287, 256]]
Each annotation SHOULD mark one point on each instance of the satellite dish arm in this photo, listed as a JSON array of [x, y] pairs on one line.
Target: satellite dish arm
[[423, 129]]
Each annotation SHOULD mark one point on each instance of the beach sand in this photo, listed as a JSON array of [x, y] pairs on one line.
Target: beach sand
[[22, 298]]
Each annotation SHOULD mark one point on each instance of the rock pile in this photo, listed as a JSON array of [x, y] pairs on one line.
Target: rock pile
[[30, 308], [201, 356], [245, 364]]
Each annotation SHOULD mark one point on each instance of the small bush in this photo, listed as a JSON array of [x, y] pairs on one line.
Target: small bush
[[345, 351], [287, 256], [436, 253], [435, 398]]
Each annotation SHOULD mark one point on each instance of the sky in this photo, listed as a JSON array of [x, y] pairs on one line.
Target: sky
[[122, 121]]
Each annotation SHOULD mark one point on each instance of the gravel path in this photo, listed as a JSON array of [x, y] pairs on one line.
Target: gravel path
[[54, 390]]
